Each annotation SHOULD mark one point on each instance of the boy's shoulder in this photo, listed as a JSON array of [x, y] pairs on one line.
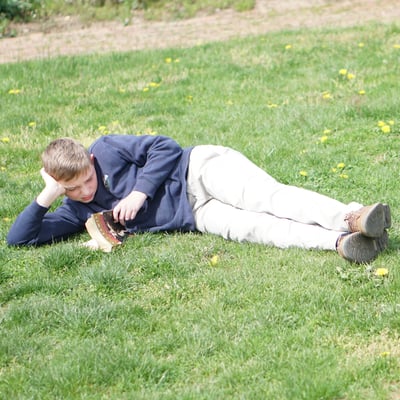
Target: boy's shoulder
[[106, 144], [114, 140], [102, 140]]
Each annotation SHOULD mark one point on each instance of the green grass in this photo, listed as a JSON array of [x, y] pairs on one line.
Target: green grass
[[154, 319]]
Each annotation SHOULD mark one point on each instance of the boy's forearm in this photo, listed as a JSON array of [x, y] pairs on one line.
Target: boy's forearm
[[51, 192], [47, 197]]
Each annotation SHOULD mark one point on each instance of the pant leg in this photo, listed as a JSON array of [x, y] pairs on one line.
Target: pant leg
[[248, 226], [220, 173]]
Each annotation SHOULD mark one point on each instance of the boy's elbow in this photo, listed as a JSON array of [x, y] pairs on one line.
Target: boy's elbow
[[10, 240], [14, 241]]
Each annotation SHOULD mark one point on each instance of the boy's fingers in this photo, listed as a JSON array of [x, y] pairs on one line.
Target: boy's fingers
[[119, 215], [116, 213]]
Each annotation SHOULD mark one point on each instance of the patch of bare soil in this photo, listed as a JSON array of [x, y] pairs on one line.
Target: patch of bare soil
[[67, 36]]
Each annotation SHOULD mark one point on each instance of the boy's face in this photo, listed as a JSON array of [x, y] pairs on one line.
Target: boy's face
[[82, 188]]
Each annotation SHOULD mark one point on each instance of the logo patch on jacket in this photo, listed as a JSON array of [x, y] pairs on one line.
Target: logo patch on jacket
[[106, 182]]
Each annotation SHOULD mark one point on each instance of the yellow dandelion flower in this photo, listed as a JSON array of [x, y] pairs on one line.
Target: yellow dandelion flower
[[385, 354], [32, 124], [343, 71], [303, 173], [149, 131], [385, 129], [341, 165], [381, 123], [361, 44], [102, 128], [3, 169], [5, 140], [343, 176], [214, 260], [381, 272], [327, 131], [350, 76], [391, 122], [14, 91], [288, 46], [323, 139], [146, 89], [361, 92], [272, 105], [333, 169], [6, 219], [168, 60], [396, 46], [154, 84], [121, 90], [326, 96]]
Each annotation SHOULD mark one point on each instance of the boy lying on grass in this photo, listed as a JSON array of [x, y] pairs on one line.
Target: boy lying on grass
[[151, 184]]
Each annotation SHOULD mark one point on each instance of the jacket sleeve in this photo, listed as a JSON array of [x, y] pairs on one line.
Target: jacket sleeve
[[154, 156], [35, 226]]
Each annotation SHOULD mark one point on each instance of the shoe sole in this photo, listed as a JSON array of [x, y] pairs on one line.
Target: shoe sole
[[361, 249], [382, 242], [376, 220], [388, 216]]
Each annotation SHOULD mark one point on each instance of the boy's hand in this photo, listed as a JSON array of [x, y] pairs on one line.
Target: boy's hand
[[128, 207], [51, 191]]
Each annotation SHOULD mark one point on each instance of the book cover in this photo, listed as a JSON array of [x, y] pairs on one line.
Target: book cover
[[105, 231]]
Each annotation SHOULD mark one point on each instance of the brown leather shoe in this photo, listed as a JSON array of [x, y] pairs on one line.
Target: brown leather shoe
[[371, 221], [356, 247]]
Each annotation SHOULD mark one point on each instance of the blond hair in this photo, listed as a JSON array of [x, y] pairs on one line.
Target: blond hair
[[65, 159]]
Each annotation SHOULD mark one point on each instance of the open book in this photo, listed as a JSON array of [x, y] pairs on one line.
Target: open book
[[105, 231]]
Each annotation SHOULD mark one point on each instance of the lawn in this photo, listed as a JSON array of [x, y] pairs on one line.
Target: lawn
[[190, 316]]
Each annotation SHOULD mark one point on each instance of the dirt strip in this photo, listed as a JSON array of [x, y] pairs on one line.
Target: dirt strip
[[67, 36]]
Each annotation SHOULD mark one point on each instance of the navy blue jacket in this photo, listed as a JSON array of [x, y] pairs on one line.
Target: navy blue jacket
[[154, 165]]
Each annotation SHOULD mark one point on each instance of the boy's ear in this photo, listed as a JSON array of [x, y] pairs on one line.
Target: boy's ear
[[92, 158]]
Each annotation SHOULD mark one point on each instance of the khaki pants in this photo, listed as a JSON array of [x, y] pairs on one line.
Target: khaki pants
[[232, 197]]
